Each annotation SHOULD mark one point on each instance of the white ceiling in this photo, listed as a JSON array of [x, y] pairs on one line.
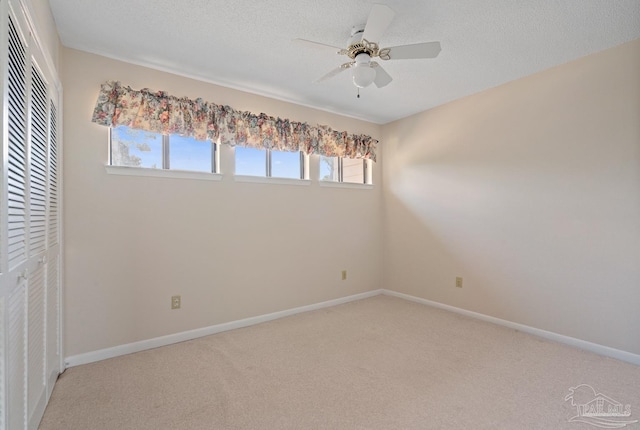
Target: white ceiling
[[247, 44]]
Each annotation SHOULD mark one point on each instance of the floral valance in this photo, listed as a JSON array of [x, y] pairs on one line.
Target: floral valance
[[161, 113]]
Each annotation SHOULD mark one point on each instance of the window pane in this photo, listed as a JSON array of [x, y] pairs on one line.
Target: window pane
[[285, 164], [136, 148], [328, 168], [353, 170], [186, 153], [251, 161]]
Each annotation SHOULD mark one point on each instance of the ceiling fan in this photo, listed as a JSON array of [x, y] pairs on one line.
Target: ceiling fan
[[363, 46]]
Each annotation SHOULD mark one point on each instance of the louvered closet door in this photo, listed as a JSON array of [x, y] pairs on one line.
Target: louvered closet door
[[37, 223], [53, 255], [15, 223], [30, 245]]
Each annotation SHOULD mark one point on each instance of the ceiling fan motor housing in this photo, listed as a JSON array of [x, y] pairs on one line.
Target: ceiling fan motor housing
[[356, 34], [358, 45]]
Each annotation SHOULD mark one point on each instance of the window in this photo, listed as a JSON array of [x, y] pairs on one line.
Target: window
[[251, 161], [269, 163], [138, 148], [178, 156], [340, 169], [186, 153]]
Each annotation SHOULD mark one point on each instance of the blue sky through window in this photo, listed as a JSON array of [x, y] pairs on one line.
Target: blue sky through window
[[186, 153], [252, 162], [285, 164], [139, 148]]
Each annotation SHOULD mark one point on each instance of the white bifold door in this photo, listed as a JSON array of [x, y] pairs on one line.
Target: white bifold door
[[30, 300]]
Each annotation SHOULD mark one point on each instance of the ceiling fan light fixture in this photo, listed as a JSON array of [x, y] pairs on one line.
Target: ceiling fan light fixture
[[363, 73]]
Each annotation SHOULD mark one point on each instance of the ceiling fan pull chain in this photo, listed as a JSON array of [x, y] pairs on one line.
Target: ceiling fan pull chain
[[358, 91]]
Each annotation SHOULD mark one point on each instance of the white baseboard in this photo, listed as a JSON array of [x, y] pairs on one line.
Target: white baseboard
[[578, 343], [103, 354]]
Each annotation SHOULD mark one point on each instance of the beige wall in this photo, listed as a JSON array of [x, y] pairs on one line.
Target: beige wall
[[232, 250], [530, 192], [45, 27]]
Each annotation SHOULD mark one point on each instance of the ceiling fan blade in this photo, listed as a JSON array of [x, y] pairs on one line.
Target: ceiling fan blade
[[382, 77], [418, 50], [316, 45], [333, 73], [379, 19]]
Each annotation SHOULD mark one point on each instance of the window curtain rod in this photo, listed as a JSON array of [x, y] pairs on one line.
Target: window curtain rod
[[159, 112]]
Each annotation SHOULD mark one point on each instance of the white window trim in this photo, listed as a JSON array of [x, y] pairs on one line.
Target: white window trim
[[334, 184], [271, 180], [162, 173]]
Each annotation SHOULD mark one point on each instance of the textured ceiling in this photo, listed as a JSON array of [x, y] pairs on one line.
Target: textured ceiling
[[247, 44]]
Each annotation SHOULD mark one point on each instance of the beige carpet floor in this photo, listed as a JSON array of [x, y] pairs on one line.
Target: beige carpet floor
[[378, 363]]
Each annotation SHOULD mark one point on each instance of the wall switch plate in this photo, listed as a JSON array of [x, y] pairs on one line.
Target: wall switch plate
[[458, 282], [175, 302], [344, 275]]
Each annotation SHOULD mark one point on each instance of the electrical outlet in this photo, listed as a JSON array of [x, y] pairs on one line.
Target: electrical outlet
[[344, 275], [175, 302], [458, 282]]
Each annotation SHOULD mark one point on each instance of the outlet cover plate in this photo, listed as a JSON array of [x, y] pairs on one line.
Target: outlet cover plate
[[175, 302]]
